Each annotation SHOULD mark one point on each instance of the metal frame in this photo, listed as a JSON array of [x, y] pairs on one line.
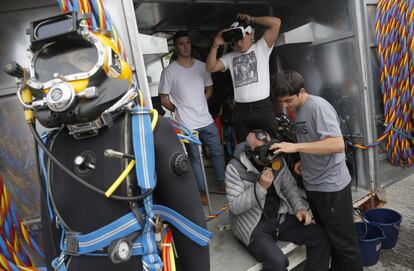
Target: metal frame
[[136, 53], [204, 177], [343, 36], [88, 36], [367, 84]]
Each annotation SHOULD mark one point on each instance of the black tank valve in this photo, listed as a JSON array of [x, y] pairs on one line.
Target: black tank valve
[[179, 163]]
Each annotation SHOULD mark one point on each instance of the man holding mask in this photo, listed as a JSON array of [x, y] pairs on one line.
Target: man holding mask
[[249, 68]]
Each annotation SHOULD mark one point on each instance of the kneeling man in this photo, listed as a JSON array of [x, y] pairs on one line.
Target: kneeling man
[[266, 206]]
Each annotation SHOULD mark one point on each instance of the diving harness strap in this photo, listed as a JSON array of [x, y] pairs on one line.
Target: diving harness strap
[[76, 244], [143, 144]]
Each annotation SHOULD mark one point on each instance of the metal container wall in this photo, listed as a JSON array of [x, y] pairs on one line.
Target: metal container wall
[[17, 158]]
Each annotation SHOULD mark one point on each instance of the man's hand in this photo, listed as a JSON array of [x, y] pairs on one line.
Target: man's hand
[[297, 168], [218, 40], [212, 63], [283, 147], [166, 102], [304, 216], [245, 17], [266, 178]]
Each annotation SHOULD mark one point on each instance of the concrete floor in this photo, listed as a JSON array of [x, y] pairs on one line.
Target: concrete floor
[[226, 253], [400, 197]]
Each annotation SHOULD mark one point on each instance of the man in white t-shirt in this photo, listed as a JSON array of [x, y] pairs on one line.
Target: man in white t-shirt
[[184, 89], [249, 68]]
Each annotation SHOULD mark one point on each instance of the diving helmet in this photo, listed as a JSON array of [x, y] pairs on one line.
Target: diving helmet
[[74, 75]]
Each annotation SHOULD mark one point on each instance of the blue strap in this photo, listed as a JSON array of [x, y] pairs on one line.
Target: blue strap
[[45, 137], [186, 133], [59, 264], [196, 233], [128, 224], [143, 144], [102, 237]]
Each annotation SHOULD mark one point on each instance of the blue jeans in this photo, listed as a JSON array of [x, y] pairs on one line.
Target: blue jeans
[[209, 137], [228, 137]]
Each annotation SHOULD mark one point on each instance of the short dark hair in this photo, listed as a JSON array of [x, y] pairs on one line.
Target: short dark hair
[[287, 83], [179, 34]]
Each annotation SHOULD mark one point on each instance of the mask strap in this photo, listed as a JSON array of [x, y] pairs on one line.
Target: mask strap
[[261, 135]]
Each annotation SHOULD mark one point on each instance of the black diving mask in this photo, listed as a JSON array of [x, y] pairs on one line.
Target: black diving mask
[[262, 156], [236, 32]]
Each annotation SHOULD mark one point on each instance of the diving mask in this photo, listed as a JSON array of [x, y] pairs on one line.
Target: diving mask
[[236, 32], [262, 156]]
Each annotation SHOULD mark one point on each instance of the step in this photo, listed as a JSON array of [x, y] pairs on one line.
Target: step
[[296, 255]]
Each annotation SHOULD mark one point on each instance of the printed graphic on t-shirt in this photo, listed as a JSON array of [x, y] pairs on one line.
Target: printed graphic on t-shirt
[[301, 128], [245, 69]]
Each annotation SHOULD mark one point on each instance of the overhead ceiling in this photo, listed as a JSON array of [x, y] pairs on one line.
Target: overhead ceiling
[[169, 16], [203, 18]]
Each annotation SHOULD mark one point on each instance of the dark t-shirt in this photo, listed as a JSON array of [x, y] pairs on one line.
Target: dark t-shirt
[[272, 201]]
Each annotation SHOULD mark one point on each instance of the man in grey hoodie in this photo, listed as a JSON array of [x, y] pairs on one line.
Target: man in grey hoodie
[[266, 206]]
